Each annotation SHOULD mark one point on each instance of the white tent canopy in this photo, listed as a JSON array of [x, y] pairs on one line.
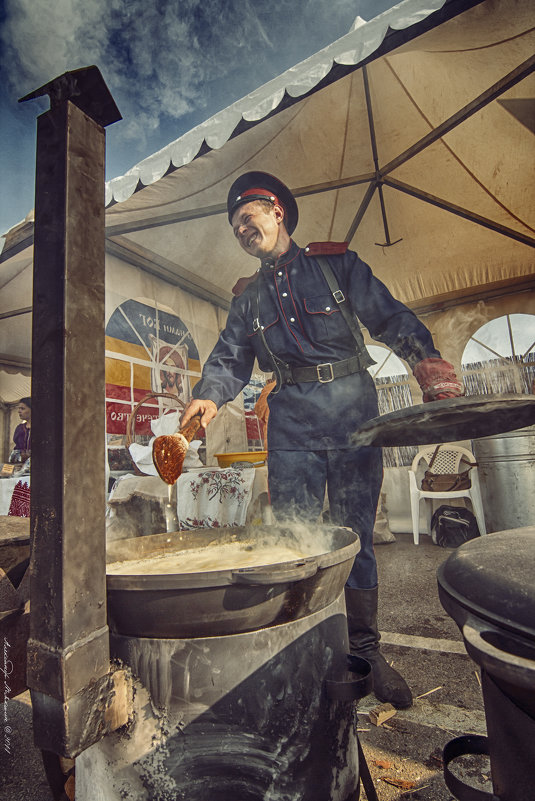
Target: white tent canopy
[[411, 137], [323, 147]]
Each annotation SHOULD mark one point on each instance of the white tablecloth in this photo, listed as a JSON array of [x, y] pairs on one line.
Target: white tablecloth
[[206, 497], [212, 498]]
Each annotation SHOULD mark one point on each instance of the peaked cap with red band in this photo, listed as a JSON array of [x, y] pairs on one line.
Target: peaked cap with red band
[[262, 186]]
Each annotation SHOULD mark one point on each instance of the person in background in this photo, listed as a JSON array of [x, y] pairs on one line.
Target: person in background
[[296, 315], [22, 437]]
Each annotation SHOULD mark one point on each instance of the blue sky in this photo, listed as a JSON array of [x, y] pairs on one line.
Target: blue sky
[[170, 64]]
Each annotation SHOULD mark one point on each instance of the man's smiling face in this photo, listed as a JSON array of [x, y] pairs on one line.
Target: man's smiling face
[[260, 229]]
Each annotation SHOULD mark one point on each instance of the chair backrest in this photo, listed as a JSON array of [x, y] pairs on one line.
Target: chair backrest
[[447, 460]]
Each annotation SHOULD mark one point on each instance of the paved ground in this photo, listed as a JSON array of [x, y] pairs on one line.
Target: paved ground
[[421, 641]]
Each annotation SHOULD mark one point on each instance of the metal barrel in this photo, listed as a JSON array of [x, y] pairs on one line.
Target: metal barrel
[[507, 477]]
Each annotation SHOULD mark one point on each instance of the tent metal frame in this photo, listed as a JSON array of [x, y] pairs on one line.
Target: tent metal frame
[[379, 180]]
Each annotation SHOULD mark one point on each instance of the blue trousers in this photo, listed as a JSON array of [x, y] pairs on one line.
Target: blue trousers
[[297, 481]]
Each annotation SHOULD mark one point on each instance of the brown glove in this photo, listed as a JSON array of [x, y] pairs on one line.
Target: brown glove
[[437, 380]]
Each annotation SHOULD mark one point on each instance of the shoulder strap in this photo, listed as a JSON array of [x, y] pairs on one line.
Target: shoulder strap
[[347, 313], [434, 456], [326, 248]]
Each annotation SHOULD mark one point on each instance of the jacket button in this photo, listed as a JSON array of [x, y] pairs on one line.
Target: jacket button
[[284, 294], [327, 308], [292, 319]]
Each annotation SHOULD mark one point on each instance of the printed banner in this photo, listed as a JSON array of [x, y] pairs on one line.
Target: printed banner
[[148, 350]]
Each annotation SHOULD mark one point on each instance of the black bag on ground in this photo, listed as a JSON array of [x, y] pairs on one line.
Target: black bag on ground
[[453, 525]]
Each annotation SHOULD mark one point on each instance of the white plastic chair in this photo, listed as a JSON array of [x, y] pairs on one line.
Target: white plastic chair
[[447, 460]]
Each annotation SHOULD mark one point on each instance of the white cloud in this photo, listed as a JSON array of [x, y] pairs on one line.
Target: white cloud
[[155, 57], [169, 64]]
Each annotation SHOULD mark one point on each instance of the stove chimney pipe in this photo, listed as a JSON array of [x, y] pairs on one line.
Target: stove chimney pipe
[[74, 694]]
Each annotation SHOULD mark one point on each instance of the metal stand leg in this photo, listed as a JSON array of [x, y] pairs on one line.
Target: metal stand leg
[[365, 775]]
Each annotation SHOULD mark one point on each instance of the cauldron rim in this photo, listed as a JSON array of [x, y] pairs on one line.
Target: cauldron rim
[[346, 541]]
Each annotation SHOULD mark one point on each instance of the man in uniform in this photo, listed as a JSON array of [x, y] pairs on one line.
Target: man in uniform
[[296, 315]]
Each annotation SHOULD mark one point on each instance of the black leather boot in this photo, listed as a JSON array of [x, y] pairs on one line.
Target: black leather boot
[[388, 685]]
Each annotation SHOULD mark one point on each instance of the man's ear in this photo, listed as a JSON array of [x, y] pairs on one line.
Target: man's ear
[[278, 211]]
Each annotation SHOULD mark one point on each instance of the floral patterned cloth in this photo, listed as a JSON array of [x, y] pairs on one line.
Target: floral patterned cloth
[[20, 500], [214, 498]]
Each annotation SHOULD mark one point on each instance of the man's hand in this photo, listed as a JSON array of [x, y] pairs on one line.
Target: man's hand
[[207, 408], [437, 380]]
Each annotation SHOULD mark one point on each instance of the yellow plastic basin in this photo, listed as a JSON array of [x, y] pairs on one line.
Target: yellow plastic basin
[[226, 459]]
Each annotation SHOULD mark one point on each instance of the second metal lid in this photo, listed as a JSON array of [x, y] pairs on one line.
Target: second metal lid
[[448, 420]]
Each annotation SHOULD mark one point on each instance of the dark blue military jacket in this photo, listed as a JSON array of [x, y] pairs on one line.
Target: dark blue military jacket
[[303, 326]]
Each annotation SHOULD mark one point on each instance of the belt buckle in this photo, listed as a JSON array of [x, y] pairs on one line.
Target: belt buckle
[[319, 368]]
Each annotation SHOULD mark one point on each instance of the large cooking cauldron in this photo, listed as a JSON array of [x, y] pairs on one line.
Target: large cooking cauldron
[[214, 602], [487, 586], [243, 685]]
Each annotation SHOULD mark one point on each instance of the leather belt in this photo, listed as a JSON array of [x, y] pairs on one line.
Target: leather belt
[[324, 373]]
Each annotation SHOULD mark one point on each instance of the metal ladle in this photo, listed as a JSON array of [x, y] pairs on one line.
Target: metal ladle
[[168, 454]]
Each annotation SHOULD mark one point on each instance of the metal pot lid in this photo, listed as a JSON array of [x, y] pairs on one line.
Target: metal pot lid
[[449, 420], [491, 577]]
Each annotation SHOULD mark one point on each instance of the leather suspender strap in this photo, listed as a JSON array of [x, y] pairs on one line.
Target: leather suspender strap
[[347, 313], [434, 456]]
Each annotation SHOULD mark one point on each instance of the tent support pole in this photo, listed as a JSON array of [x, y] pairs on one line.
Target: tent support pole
[[460, 211], [373, 140], [366, 200]]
